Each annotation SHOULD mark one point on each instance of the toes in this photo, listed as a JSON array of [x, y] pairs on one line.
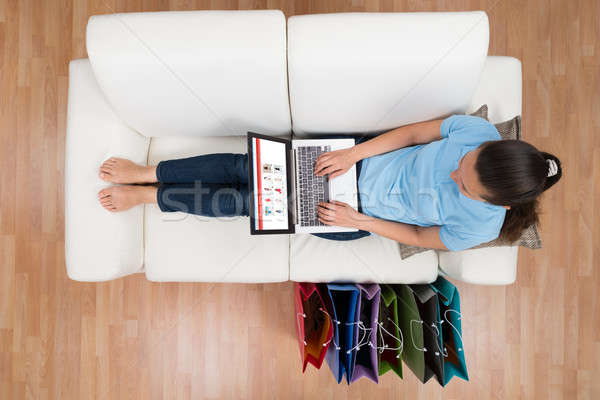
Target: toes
[[105, 171], [106, 200], [107, 167], [108, 204], [104, 175], [110, 163]]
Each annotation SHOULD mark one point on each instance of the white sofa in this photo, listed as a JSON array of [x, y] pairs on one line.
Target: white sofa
[[167, 85]]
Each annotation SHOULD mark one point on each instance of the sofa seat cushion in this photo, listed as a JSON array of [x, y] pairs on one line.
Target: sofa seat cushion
[[369, 259], [189, 248]]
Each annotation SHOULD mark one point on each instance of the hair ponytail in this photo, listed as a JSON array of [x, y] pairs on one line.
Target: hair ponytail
[[551, 180]]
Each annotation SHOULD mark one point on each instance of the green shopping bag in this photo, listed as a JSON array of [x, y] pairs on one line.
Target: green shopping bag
[[412, 333], [454, 355], [389, 340]]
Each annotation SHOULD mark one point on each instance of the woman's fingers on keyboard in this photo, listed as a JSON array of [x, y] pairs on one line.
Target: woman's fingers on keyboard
[[321, 163], [321, 170], [329, 170], [326, 213], [329, 206]]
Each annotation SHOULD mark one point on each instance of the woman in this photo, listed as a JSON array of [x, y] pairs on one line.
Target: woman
[[445, 184]]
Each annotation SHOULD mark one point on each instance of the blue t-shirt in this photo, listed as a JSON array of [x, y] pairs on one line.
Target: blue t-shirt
[[413, 185]]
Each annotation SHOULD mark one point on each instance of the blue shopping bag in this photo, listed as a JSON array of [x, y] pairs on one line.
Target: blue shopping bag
[[344, 299], [454, 355]]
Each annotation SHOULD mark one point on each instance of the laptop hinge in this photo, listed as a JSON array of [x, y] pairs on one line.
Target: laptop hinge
[[294, 196]]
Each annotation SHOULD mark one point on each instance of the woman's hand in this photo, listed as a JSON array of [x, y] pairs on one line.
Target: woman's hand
[[335, 163], [339, 214]]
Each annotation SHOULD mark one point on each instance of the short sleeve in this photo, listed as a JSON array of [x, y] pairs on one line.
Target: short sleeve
[[468, 130], [456, 240]]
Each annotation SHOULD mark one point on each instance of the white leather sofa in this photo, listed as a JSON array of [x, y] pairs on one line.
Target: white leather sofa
[[167, 85]]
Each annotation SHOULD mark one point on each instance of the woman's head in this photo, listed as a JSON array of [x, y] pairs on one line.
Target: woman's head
[[513, 172], [509, 173]]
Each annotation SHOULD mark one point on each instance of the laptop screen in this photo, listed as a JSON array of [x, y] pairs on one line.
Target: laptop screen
[[269, 175]]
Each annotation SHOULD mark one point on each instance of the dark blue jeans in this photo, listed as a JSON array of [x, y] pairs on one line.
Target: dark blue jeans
[[216, 185], [213, 185]]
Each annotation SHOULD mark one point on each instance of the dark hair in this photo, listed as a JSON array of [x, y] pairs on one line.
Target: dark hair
[[514, 173]]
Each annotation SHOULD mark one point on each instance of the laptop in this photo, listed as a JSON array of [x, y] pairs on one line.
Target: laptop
[[284, 190]]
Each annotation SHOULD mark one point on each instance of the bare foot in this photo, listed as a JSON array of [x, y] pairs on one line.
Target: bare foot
[[121, 198], [120, 170]]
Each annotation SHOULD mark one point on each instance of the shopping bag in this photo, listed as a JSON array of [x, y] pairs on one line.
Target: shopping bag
[[418, 319], [429, 311], [313, 326], [454, 355], [389, 336], [343, 313], [364, 360]]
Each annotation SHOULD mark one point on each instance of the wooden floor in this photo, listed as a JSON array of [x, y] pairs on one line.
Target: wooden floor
[[59, 339]]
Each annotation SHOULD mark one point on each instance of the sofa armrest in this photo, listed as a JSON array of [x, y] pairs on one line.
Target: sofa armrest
[[99, 245], [485, 266], [500, 87]]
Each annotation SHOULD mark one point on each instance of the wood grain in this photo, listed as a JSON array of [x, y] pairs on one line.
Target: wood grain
[[59, 339]]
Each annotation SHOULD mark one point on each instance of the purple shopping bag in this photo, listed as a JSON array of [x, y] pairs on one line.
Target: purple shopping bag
[[365, 360]]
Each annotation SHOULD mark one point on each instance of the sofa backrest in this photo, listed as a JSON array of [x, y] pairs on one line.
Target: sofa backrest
[[199, 73], [371, 72], [219, 73]]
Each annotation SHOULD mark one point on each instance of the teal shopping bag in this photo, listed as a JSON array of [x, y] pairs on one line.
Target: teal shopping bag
[[454, 355]]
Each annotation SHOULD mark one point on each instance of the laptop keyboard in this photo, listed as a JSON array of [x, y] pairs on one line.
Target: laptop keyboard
[[313, 189]]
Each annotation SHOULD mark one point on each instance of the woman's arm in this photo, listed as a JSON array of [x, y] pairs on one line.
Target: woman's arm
[[412, 235], [341, 214], [338, 162], [408, 135]]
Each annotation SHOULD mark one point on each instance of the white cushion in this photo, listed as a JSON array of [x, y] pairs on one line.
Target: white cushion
[[485, 266], [367, 72], [501, 89], [99, 245], [196, 73], [182, 247], [369, 259]]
